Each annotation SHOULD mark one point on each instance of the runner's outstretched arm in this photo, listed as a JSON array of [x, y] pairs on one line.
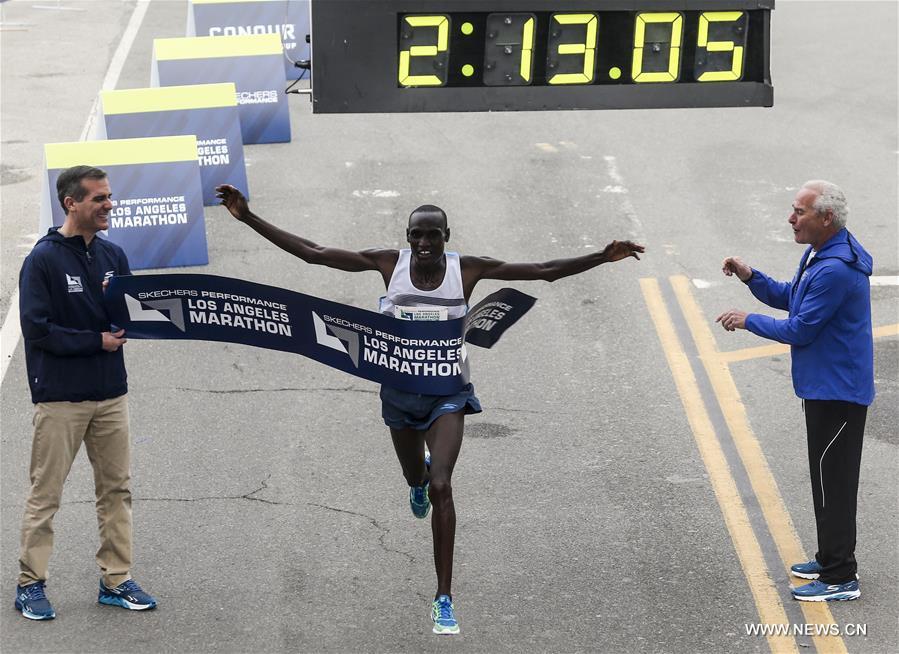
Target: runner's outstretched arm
[[475, 269], [349, 260]]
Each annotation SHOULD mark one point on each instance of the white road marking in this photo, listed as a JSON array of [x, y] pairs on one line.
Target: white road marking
[[376, 193], [636, 231], [885, 280], [876, 280], [547, 147], [11, 331]]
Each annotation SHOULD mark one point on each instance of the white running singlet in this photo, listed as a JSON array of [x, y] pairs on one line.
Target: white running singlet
[[404, 300]]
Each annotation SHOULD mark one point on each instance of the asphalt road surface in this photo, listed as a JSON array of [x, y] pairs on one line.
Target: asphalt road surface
[[638, 480]]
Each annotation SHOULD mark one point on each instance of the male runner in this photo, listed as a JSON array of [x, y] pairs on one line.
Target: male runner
[[424, 275]]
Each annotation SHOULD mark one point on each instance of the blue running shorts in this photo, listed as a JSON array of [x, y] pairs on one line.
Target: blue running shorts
[[402, 410]]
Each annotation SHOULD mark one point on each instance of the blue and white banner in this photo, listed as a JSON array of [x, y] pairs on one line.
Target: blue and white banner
[[288, 18], [427, 357]]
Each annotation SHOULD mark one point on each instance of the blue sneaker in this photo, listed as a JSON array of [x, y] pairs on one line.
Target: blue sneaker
[[418, 495], [443, 616], [810, 570], [128, 595], [33, 603], [818, 591]]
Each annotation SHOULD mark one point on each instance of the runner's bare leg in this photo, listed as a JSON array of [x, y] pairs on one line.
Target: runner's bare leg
[[444, 440], [410, 450]]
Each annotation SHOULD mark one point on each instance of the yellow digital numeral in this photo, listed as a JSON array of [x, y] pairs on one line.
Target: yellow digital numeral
[[736, 66], [587, 49], [527, 50], [442, 25], [677, 23]]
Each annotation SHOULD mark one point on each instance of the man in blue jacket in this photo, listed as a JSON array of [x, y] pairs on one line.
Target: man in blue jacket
[[829, 332], [76, 372]]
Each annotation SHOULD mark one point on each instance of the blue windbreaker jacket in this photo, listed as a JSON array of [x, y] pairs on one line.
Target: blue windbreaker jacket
[[62, 315], [829, 323]]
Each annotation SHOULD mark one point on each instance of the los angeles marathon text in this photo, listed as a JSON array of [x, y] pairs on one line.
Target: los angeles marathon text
[[147, 212], [409, 356], [213, 152], [236, 310]]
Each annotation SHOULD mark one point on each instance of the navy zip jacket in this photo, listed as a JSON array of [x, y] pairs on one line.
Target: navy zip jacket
[[829, 323], [62, 316]]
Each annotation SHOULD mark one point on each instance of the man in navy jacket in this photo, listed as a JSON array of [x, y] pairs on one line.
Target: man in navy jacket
[[829, 332], [76, 372]]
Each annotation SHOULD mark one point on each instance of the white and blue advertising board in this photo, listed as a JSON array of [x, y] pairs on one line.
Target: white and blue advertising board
[[288, 18], [207, 110], [157, 215], [252, 62]]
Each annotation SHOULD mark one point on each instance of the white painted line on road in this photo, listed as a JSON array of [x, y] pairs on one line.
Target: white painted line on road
[[637, 232], [376, 193], [876, 280], [884, 280], [10, 332]]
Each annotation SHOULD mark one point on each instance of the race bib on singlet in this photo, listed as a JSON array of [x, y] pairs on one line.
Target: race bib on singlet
[[420, 313]]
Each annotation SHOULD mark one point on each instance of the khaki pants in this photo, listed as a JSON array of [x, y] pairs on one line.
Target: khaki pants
[[59, 429]]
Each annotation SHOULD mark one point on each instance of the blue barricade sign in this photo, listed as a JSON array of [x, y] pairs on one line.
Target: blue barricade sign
[[288, 18], [253, 63], [207, 110], [157, 215], [427, 357]]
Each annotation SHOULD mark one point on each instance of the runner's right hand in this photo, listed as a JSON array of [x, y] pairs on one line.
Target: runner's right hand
[[233, 200]]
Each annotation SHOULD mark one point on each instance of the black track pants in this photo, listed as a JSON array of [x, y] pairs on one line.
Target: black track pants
[[835, 431]]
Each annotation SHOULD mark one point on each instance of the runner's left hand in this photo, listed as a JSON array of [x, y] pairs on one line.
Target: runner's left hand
[[618, 250]]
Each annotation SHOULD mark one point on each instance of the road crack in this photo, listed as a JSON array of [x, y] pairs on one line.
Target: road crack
[[374, 522], [245, 496], [286, 389]]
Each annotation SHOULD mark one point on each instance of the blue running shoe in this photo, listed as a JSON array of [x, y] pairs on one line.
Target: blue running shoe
[[818, 591], [443, 616], [33, 603], [128, 595], [810, 570], [418, 495]]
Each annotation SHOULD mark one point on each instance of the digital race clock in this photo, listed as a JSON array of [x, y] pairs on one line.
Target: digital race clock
[[495, 55]]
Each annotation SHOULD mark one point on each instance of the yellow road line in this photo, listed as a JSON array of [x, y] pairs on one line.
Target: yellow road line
[[763, 484], [773, 350], [749, 552], [777, 349]]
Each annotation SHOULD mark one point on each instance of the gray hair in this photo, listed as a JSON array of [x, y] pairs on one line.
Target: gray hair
[[830, 198]]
